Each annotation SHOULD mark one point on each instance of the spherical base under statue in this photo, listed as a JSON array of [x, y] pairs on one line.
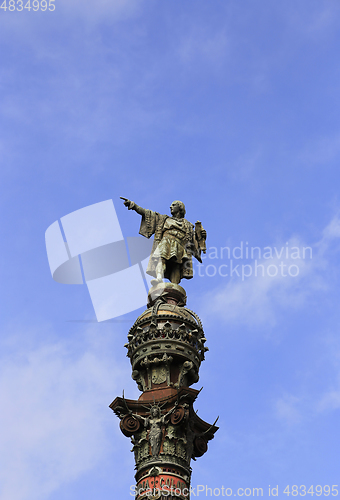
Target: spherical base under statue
[[170, 292]]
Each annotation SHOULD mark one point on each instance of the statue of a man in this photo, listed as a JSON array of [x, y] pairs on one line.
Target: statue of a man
[[176, 240]]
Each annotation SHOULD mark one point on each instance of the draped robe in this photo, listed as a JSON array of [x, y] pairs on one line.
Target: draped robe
[[175, 242]]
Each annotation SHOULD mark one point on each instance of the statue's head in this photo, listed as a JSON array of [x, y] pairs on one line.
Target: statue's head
[[155, 411], [177, 208]]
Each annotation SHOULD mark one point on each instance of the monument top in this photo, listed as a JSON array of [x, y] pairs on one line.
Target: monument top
[[176, 241]]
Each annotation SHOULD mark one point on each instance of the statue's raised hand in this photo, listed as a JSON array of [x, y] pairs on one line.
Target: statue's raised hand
[[127, 203]]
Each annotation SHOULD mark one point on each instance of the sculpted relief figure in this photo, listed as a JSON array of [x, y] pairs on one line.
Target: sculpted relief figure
[[176, 240], [155, 423]]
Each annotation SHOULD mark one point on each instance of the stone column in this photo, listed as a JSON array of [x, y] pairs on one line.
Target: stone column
[[166, 346]]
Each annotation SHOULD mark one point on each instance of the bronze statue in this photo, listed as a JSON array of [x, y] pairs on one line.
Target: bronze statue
[[176, 240], [155, 425]]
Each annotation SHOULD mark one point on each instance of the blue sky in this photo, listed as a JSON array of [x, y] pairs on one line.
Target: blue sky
[[233, 107]]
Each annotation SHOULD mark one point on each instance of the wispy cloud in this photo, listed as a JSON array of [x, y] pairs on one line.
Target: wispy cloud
[[319, 390], [321, 151], [53, 416], [90, 12], [330, 399], [287, 409], [261, 299], [95, 10], [203, 45], [317, 21]]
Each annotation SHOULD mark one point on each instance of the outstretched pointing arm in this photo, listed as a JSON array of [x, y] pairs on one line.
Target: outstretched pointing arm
[[132, 206]]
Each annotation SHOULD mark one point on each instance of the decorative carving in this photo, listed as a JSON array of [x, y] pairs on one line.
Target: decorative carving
[[155, 422], [177, 416], [171, 432], [155, 471], [186, 367], [129, 425], [200, 446], [169, 447], [140, 348], [139, 378], [180, 449], [159, 375]]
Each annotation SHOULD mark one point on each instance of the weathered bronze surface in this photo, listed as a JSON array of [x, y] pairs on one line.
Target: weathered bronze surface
[[170, 428], [176, 240], [166, 346]]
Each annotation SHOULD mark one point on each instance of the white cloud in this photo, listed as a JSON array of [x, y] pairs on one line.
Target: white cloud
[[261, 299], [330, 401], [94, 10], [287, 409], [90, 12], [331, 231], [322, 151], [319, 20], [319, 393], [54, 416], [201, 44], [330, 398]]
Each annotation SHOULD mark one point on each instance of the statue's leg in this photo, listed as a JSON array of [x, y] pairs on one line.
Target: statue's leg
[[160, 269], [175, 273]]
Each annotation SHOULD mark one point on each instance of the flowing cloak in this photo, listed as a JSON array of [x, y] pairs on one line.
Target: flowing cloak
[[155, 434], [175, 241]]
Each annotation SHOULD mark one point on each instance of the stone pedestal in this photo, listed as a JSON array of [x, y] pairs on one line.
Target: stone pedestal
[[166, 346]]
